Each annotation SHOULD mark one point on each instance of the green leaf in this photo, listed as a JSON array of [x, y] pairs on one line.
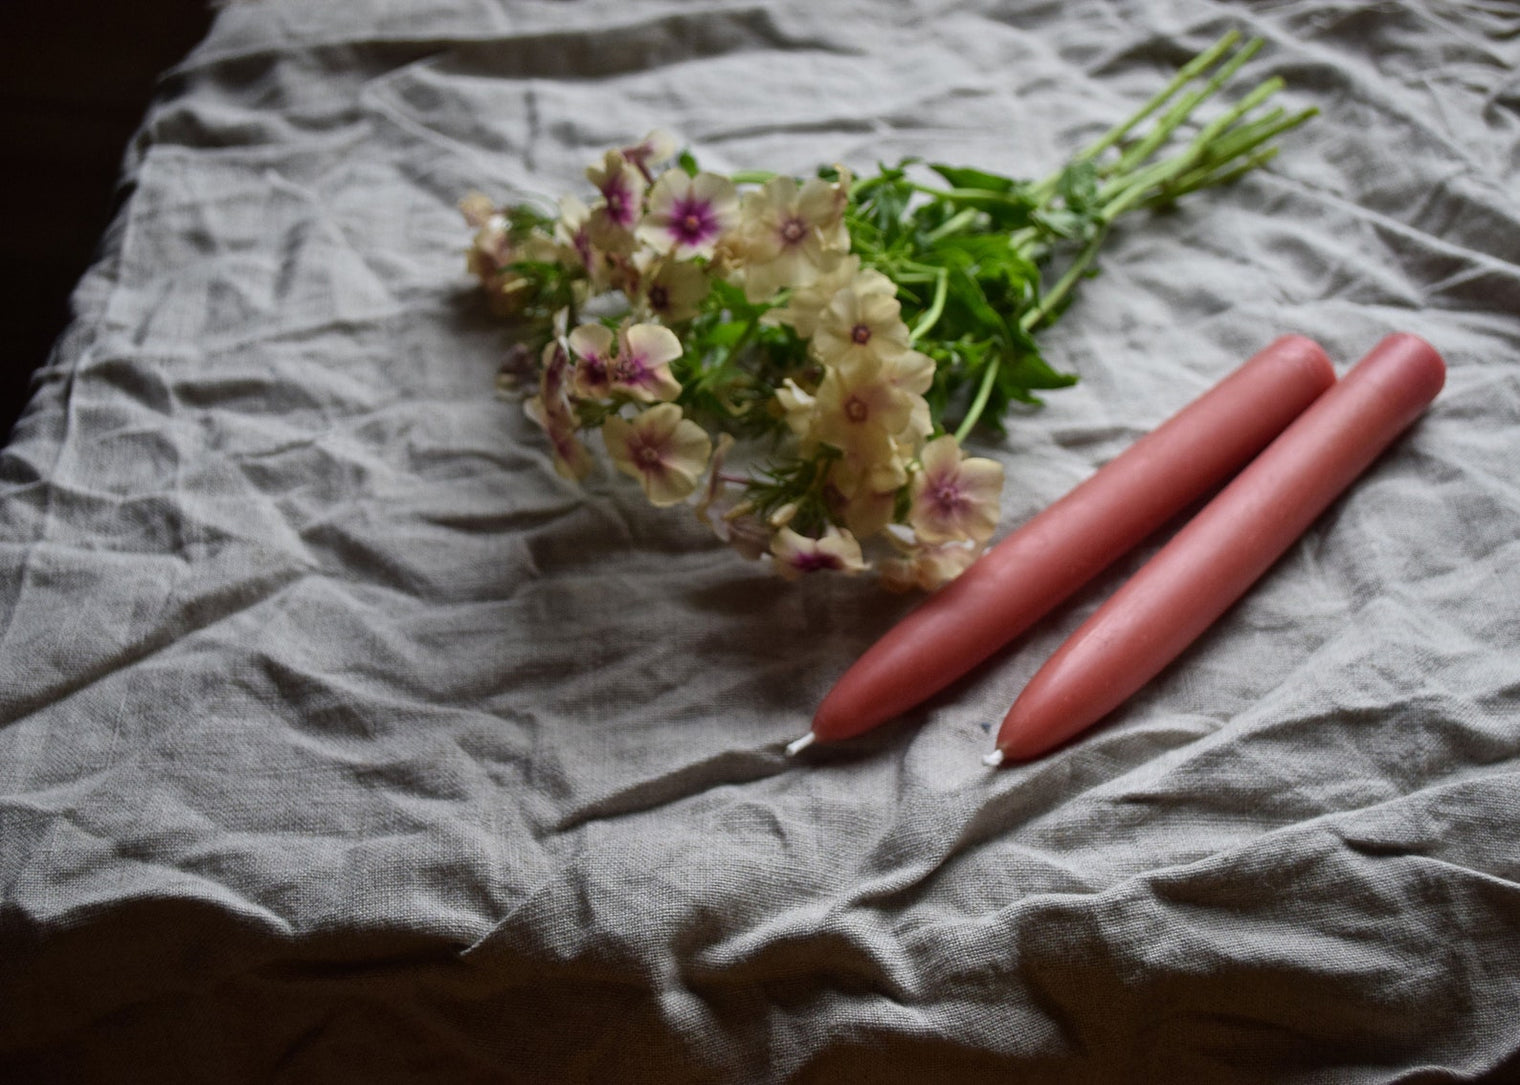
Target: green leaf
[[1078, 185], [1023, 369], [964, 177]]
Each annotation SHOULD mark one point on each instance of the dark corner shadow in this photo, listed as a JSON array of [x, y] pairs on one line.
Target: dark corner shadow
[[183, 990]]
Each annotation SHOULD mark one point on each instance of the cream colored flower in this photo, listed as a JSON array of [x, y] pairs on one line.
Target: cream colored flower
[[551, 410], [862, 321], [806, 303], [687, 215], [675, 290], [787, 232], [639, 367], [863, 497], [801, 413], [572, 459], [659, 448], [658, 147], [860, 409], [613, 217], [797, 554], [477, 209], [927, 567], [954, 497], [622, 189], [573, 232]]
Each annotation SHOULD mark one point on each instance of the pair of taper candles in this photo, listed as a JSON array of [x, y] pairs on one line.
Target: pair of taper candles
[[1302, 438]]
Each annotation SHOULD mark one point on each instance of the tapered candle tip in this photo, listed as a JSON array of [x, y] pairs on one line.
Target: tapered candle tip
[[797, 746], [994, 759]]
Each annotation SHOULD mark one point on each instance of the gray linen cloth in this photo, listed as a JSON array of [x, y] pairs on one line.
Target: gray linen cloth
[[340, 738]]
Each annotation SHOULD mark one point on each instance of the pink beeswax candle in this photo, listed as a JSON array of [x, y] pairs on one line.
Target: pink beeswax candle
[[1224, 549], [1033, 570]]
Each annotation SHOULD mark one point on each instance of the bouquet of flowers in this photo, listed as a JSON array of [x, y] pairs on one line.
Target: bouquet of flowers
[[803, 360]]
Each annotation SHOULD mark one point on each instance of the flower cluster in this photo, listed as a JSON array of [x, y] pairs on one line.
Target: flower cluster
[[787, 354]]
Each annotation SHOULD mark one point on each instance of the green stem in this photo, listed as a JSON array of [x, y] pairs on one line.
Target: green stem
[[1173, 118], [1185, 75], [936, 307], [979, 404], [1028, 321], [963, 217], [1069, 279], [752, 177]]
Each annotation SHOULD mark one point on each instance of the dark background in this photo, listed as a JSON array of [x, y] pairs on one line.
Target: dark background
[[76, 78]]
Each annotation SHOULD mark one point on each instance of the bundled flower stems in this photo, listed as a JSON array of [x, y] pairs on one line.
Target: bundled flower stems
[[803, 360]]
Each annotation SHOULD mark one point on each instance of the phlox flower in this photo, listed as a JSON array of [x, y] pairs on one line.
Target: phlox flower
[[806, 302], [675, 290], [860, 408], [863, 496], [862, 321], [732, 520], [787, 232], [622, 189], [612, 218], [491, 247], [797, 554], [662, 450], [954, 497], [800, 411], [657, 147], [638, 367], [927, 567], [687, 215], [477, 209], [573, 232], [551, 410]]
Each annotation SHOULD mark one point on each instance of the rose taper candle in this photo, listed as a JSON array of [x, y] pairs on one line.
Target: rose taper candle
[[1043, 563], [1224, 549]]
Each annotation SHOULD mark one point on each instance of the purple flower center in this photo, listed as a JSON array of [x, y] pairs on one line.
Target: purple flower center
[[596, 368], [693, 221], [659, 298], [861, 334], [648, 456], [631, 369], [856, 409], [946, 495], [620, 201], [793, 231], [813, 560]]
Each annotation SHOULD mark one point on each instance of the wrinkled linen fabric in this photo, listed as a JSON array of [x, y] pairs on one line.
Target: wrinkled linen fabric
[[340, 737]]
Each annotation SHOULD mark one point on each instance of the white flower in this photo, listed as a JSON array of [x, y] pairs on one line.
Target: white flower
[[675, 291], [787, 233], [954, 497], [862, 321], [687, 215], [657, 147], [800, 411], [662, 450], [927, 567], [806, 303], [860, 408], [797, 554], [551, 410], [639, 368]]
